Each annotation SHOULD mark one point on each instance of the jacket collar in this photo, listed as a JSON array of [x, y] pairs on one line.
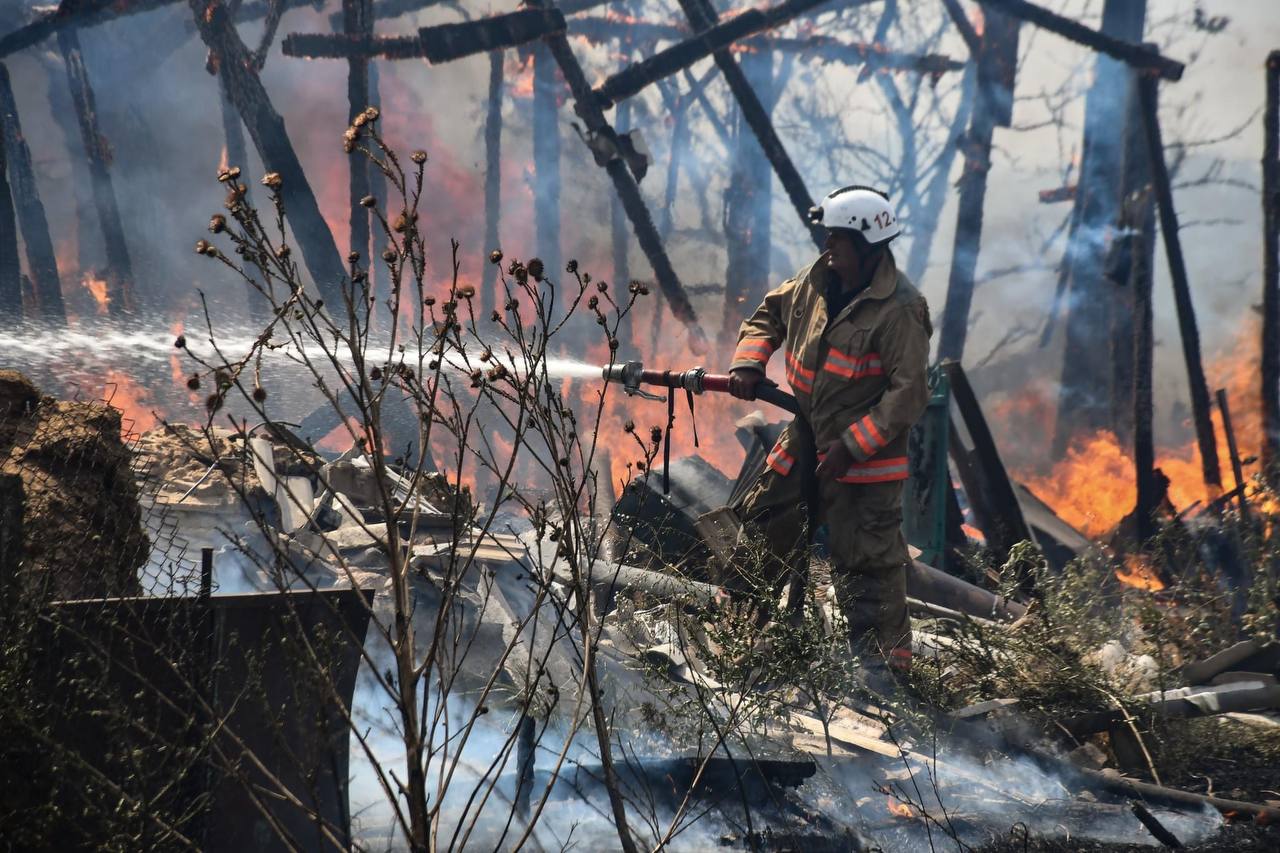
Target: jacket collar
[[884, 281]]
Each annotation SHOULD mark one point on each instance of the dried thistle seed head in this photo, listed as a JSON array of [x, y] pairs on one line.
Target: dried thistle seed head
[[495, 317], [213, 402], [429, 301], [202, 247], [655, 434], [498, 371], [388, 255], [486, 354], [536, 268], [272, 180], [376, 374], [613, 344], [418, 157], [629, 426], [217, 223], [571, 267], [180, 342], [512, 304], [401, 223], [466, 291], [593, 302], [283, 252], [260, 394], [371, 113], [359, 121], [230, 174], [586, 278], [640, 466], [602, 286], [353, 257], [495, 257], [193, 382], [368, 201]]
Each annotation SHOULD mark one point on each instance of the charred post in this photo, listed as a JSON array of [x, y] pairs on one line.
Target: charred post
[[492, 181], [10, 267], [618, 219], [357, 22], [271, 139], [702, 16], [1271, 273], [119, 271], [747, 202], [1094, 304], [997, 63], [1140, 287], [546, 160], [1149, 94], [41, 260]]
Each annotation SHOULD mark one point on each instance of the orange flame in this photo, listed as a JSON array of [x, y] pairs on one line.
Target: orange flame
[[133, 401], [898, 809], [1094, 487], [1139, 572], [97, 288]]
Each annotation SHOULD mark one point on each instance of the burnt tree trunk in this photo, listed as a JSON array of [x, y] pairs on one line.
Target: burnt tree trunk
[[1271, 274], [546, 161], [747, 203], [119, 271], [236, 66], [41, 259], [997, 62], [357, 21], [492, 181], [1149, 92], [1084, 404], [10, 266]]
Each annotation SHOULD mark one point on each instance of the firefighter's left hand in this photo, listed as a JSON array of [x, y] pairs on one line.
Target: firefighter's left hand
[[836, 461]]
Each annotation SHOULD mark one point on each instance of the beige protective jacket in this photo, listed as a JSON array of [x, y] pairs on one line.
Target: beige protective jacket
[[861, 380]]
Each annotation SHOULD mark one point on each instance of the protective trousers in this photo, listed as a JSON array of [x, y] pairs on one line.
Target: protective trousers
[[868, 553]]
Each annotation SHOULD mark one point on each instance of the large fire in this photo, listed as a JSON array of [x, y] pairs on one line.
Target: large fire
[[1094, 487]]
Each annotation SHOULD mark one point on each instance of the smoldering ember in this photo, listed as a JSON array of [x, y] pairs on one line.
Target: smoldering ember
[[799, 425]]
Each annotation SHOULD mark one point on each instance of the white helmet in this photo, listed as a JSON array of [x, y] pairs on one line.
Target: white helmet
[[860, 209]]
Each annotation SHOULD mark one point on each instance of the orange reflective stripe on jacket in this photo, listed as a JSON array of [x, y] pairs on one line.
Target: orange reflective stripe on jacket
[[851, 367], [887, 470], [780, 460], [867, 436], [754, 349], [800, 379]]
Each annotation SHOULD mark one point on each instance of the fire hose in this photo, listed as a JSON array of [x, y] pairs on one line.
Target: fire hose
[[631, 375]]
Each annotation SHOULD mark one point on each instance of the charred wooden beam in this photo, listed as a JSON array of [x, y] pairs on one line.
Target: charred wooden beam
[[618, 226], [711, 38], [1007, 525], [702, 16], [1058, 194], [271, 139], [588, 108], [441, 43], [996, 61], [1271, 273], [119, 272], [1148, 88], [41, 260], [446, 42], [1140, 286], [386, 9], [1136, 55], [492, 181]]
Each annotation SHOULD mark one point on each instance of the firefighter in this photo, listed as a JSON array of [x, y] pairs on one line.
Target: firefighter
[[854, 335]]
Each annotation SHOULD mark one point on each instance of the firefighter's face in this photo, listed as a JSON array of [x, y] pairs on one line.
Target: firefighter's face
[[845, 254]]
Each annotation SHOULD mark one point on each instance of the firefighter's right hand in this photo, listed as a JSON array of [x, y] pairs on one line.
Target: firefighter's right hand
[[743, 382]]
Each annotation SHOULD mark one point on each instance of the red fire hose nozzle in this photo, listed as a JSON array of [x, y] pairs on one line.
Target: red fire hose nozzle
[[631, 375]]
